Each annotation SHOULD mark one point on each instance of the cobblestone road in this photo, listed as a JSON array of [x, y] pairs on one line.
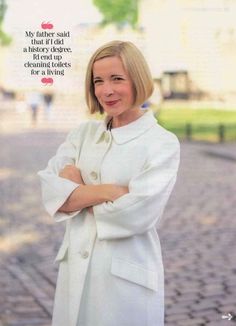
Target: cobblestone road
[[198, 235]]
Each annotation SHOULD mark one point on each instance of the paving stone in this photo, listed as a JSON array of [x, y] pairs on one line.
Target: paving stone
[[197, 234], [205, 304], [209, 313], [220, 323], [176, 309], [188, 297], [193, 322], [177, 317]]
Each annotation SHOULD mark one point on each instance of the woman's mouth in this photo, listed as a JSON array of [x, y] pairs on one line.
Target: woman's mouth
[[111, 103]]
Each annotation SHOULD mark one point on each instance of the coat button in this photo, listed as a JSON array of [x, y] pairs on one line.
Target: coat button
[[94, 175], [85, 254]]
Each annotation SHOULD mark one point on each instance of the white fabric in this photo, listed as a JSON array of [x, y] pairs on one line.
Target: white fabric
[[111, 270]]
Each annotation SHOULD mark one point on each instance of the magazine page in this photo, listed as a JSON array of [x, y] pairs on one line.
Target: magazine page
[[117, 162]]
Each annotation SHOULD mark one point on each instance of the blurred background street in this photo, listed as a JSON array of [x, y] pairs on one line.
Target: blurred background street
[[197, 234]]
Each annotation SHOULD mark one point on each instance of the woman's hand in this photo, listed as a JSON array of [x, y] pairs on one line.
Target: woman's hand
[[109, 192], [72, 173]]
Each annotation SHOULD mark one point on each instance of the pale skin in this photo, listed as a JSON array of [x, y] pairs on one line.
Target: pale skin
[[114, 91], [85, 196]]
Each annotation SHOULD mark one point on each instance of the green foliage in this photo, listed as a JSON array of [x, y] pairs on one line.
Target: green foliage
[[4, 38], [199, 116], [205, 123], [118, 12], [3, 8]]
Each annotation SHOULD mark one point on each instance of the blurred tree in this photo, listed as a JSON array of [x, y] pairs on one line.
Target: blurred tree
[[4, 38], [118, 12]]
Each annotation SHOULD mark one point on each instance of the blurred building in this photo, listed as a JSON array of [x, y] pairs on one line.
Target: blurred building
[[190, 46], [196, 36]]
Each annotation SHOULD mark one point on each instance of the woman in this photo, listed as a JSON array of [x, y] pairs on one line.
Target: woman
[[110, 180]]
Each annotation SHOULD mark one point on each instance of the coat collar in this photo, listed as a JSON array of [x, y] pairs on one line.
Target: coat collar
[[128, 132]]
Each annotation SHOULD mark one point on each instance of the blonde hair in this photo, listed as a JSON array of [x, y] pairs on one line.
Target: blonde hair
[[134, 64]]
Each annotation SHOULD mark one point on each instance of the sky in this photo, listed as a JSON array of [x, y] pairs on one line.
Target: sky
[[62, 13]]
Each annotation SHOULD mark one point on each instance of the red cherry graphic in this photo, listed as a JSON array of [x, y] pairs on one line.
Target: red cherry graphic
[[47, 25], [47, 81], [50, 26]]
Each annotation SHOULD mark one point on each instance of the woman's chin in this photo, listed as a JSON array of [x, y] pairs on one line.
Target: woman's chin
[[112, 112]]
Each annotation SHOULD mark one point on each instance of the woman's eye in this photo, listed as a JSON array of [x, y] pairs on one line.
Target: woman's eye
[[97, 81], [118, 78]]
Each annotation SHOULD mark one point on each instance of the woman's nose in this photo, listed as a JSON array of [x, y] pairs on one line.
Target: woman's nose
[[108, 89]]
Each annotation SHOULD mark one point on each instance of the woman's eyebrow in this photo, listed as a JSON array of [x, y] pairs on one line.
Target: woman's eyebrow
[[117, 75], [113, 75]]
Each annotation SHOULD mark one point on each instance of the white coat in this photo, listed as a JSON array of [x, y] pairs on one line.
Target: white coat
[[111, 271]]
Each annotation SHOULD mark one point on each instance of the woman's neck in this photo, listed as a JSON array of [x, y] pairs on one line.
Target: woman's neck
[[126, 118]]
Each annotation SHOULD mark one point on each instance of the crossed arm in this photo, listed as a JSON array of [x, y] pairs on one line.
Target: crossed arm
[[86, 196], [119, 211]]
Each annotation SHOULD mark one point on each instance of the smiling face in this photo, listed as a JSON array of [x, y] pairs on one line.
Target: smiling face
[[112, 86]]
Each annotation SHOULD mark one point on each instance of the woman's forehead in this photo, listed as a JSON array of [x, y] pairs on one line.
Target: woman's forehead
[[112, 65]]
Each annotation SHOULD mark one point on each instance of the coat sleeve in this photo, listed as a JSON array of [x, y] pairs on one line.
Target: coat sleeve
[[139, 210], [56, 190]]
